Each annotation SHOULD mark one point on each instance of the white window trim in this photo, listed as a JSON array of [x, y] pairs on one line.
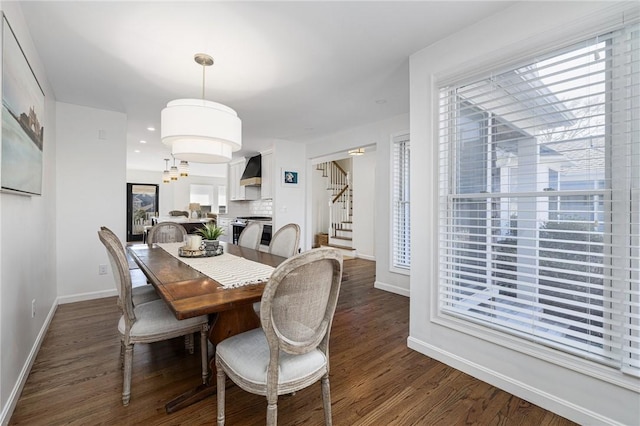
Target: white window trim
[[562, 359], [468, 70], [392, 267]]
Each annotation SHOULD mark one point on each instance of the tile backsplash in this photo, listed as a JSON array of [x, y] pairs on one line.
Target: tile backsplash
[[250, 208]]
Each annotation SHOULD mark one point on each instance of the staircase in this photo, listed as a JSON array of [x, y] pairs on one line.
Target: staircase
[[340, 195]]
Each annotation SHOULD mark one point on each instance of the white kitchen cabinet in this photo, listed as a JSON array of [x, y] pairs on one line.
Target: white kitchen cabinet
[[238, 192], [267, 175], [236, 167], [224, 222]]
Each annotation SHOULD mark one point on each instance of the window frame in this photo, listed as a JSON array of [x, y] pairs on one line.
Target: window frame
[[393, 267], [564, 359]]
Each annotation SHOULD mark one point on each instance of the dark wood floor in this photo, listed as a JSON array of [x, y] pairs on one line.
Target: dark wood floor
[[375, 378]]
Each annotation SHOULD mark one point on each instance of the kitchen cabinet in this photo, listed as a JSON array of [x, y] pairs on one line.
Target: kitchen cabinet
[[266, 191], [238, 192], [225, 223]]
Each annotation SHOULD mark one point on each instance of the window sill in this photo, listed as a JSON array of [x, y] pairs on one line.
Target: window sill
[[539, 351]]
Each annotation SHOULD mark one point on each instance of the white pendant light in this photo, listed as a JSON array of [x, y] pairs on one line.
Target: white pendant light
[[183, 168], [201, 131], [173, 173], [166, 175]]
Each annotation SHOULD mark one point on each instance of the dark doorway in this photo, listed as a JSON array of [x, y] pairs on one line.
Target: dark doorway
[[142, 205]]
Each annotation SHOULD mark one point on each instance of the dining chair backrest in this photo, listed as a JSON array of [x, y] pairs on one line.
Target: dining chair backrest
[[166, 232], [111, 234], [122, 276], [251, 235], [298, 303], [285, 241]]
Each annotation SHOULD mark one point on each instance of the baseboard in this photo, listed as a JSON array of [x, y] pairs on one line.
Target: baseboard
[[536, 396], [63, 300], [12, 401], [391, 288]]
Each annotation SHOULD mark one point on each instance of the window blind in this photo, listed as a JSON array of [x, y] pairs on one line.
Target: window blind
[[401, 220], [539, 205]]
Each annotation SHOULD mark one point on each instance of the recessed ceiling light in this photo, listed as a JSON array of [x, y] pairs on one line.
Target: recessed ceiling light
[[143, 141], [151, 129], [137, 151]]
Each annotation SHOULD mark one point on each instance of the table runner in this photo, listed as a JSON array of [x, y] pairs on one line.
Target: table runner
[[229, 270]]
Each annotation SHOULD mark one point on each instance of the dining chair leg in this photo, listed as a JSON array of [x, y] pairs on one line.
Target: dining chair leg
[[272, 413], [326, 399], [126, 384], [204, 352], [121, 354], [220, 389]]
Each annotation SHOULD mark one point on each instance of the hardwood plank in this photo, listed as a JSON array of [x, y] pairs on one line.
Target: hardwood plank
[[375, 378]]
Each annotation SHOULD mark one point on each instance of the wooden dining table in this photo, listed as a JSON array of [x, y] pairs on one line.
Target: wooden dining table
[[189, 293]]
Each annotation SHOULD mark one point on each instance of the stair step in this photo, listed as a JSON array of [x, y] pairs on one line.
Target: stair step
[[343, 234], [342, 238], [338, 247]]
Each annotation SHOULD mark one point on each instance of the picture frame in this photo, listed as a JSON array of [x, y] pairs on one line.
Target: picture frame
[[290, 177], [23, 112]]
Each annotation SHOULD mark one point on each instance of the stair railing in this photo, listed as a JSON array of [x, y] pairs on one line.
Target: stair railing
[[340, 195]]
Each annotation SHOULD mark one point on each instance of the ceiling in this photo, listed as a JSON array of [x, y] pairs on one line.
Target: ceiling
[[292, 70]]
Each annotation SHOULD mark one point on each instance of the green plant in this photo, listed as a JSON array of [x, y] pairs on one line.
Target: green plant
[[139, 214], [210, 231]]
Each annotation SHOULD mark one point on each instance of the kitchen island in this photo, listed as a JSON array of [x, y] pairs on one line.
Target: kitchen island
[[190, 224]]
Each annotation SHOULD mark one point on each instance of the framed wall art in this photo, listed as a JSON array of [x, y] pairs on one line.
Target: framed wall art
[[290, 177], [22, 120]]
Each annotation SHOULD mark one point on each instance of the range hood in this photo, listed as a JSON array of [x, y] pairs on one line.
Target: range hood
[[252, 175]]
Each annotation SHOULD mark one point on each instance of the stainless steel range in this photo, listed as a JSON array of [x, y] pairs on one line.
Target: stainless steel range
[[241, 221]]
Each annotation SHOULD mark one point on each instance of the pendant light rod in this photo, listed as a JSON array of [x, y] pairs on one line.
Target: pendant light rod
[[206, 61]]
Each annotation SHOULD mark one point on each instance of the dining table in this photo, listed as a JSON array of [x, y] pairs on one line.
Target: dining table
[[224, 287]]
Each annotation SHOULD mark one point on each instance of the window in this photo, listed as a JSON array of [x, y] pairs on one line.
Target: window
[[539, 200], [201, 194], [401, 223]]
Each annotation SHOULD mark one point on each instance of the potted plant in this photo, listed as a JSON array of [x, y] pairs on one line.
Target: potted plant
[[210, 233]]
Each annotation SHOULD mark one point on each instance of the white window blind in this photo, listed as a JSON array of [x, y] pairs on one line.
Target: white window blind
[[401, 220], [539, 200]]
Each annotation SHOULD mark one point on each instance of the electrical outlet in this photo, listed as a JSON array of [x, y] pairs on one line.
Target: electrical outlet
[[102, 269], [33, 308]]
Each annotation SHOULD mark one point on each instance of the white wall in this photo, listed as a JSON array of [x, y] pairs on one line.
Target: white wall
[[364, 208], [378, 134], [289, 202], [27, 249], [581, 393], [90, 194], [319, 207]]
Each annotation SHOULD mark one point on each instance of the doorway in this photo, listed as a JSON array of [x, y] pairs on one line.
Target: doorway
[[142, 205]]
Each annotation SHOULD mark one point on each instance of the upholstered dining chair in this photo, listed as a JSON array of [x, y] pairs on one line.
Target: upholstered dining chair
[[251, 235], [291, 349], [285, 241], [148, 322], [166, 232], [139, 294]]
